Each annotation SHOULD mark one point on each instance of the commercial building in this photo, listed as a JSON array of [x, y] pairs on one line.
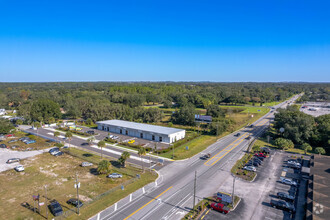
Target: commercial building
[[144, 131]]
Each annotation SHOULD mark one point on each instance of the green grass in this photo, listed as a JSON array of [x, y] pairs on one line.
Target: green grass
[[271, 103], [195, 146], [40, 142]]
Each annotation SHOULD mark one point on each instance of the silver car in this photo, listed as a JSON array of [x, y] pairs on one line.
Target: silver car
[[86, 164], [250, 168], [115, 175], [288, 181]]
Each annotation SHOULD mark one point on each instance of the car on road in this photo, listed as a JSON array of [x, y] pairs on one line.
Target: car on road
[[285, 196], [86, 164], [238, 134], [220, 207], [205, 156], [250, 168], [248, 138], [288, 181], [55, 208], [3, 146], [115, 175], [84, 144], [59, 153], [131, 141], [283, 205], [19, 168], [75, 202], [13, 160]]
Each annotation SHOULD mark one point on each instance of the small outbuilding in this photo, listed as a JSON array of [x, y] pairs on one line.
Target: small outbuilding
[[144, 131]]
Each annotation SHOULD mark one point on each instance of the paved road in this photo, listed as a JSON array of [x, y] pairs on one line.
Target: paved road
[[173, 197]]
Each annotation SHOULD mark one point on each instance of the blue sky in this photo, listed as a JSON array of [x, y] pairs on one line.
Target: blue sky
[[164, 40]]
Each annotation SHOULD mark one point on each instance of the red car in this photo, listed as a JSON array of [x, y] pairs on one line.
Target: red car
[[260, 155], [9, 135], [220, 207]]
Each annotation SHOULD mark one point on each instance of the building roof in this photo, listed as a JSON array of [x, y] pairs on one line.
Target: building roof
[[141, 126]]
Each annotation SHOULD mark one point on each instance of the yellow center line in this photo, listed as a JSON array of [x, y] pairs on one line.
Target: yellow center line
[[205, 214], [147, 203]]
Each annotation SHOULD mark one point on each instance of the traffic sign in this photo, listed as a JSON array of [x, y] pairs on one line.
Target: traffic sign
[[75, 185]]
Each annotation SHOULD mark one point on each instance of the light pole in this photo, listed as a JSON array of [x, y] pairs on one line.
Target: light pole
[[194, 190], [233, 196], [77, 185], [46, 202]]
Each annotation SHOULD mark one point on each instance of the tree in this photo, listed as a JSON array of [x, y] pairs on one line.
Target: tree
[[104, 167], [284, 143], [51, 120], [5, 126], [44, 108], [101, 144], [215, 111], [185, 116], [68, 135], [19, 122], [306, 147], [320, 150], [91, 140], [142, 152], [89, 121], [56, 134], [124, 156]]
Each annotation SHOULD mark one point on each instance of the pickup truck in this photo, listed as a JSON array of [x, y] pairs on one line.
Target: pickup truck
[[220, 207]]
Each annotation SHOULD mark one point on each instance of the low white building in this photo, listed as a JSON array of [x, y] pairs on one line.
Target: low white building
[[144, 131]]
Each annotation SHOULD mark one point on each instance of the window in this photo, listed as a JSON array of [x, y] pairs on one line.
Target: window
[[102, 127], [126, 132], [153, 137], [141, 135], [108, 129], [160, 139], [121, 131]]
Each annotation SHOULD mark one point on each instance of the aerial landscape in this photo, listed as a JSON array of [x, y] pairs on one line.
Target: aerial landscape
[[165, 110]]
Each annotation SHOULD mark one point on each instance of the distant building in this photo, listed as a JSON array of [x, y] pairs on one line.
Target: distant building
[[203, 118], [144, 131]]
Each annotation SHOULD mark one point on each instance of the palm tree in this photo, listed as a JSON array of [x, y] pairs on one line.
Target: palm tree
[[103, 167], [56, 134], [68, 135], [91, 140], [124, 156], [142, 152], [101, 144]]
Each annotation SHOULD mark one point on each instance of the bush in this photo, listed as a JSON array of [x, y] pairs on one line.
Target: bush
[[284, 143], [32, 137]]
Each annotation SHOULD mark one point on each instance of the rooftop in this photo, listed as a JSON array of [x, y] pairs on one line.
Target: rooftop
[[141, 127]]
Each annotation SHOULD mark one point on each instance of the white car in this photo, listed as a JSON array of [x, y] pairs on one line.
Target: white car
[[115, 175], [250, 168], [288, 181], [19, 168]]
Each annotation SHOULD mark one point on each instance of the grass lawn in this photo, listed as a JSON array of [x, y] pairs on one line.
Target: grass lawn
[[58, 173], [195, 146], [19, 145]]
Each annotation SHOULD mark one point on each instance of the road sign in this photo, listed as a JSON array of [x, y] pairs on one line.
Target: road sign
[[122, 187], [224, 197], [187, 148], [75, 185]]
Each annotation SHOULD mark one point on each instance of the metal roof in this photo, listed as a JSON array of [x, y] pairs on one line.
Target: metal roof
[[141, 127]]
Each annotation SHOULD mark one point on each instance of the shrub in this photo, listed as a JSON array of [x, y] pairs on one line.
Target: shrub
[[32, 137]]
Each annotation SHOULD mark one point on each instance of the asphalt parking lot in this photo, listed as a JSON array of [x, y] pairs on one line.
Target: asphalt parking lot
[[315, 108], [256, 195], [124, 138]]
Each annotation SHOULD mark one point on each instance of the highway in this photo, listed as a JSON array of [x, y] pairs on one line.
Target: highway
[[173, 196]]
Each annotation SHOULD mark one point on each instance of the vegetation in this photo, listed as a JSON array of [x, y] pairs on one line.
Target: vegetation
[[104, 167], [122, 159], [101, 145], [283, 143], [5, 126]]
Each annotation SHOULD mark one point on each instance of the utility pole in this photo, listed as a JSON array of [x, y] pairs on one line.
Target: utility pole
[[194, 189], [233, 196], [77, 185], [46, 202], [172, 151]]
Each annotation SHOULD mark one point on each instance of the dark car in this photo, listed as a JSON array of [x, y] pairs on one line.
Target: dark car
[[3, 146], [84, 144], [54, 149], [55, 208], [75, 202], [283, 205], [60, 153], [13, 160], [257, 161], [248, 138], [238, 134], [260, 158], [285, 196], [90, 132], [205, 156], [252, 163]]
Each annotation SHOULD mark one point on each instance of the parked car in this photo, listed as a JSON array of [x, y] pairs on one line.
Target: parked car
[[288, 181], [294, 165], [54, 152], [220, 207], [285, 196], [29, 141], [257, 160], [115, 137], [131, 141], [86, 164], [9, 135], [283, 205], [293, 162], [260, 158], [90, 132], [19, 168], [110, 136], [13, 160], [115, 175], [3, 146], [260, 155], [252, 163], [250, 168], [12, 141], [23, 138], [55, 208], [78, 129], [59, 153], [54, 149], [75, 202]]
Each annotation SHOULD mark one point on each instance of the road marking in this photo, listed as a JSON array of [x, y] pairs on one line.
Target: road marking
[[148, 203], [205, 214]]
